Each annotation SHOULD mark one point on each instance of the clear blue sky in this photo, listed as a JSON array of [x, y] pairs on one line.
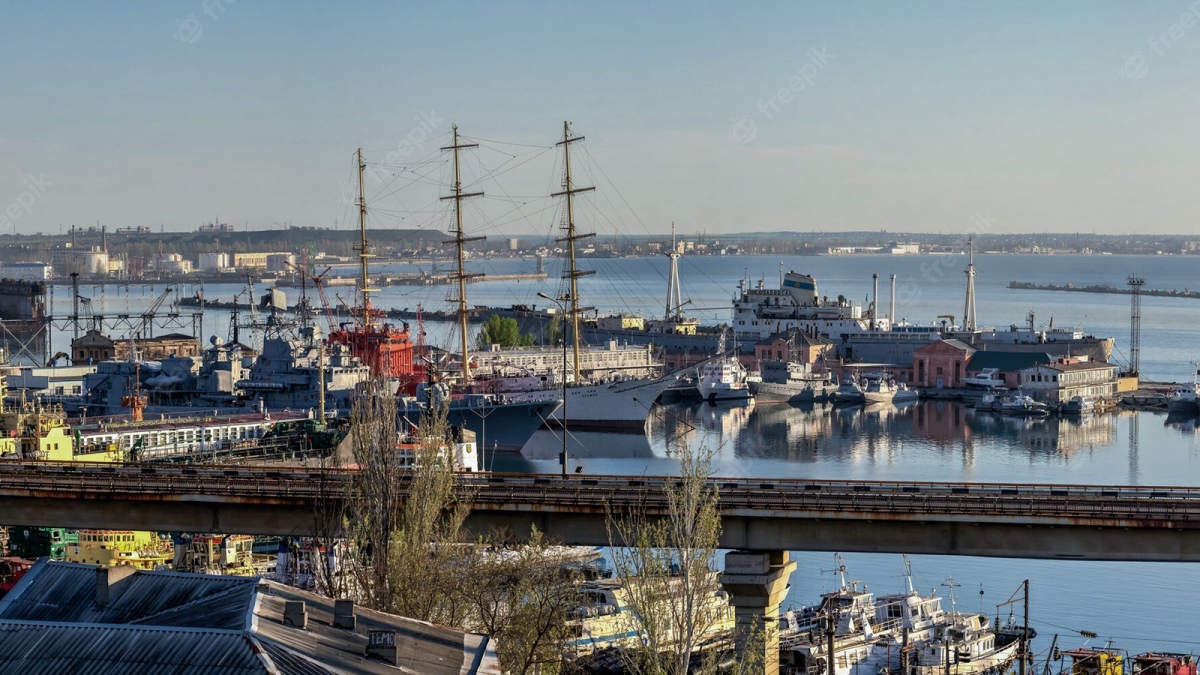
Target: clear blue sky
[[719, 116]]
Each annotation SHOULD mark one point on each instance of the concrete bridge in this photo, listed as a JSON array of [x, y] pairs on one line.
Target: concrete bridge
[[983, 519]]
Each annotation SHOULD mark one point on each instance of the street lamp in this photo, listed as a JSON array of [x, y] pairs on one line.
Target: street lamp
[[562, 458]]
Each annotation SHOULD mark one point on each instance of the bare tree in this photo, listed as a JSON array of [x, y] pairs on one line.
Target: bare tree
[[378, 487], [668, 569], [521, 597]]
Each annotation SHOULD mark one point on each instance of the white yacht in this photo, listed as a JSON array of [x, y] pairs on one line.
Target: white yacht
[[988, 378]]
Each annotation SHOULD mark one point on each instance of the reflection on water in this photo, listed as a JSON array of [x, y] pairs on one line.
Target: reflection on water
[[941, 440]]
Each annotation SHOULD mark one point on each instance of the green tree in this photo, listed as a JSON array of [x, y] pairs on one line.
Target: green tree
[[503, 331]]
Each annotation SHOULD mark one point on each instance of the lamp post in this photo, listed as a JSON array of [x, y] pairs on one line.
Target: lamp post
[[562, 458]]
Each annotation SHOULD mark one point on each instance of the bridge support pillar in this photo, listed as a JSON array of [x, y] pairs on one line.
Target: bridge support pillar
[[757, 583]]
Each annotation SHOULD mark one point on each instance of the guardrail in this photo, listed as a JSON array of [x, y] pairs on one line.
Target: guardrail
[[1114, 505]]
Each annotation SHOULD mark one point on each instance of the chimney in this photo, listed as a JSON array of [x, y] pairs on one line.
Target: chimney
[[104, 238], [106, 577], [343, 614], [295, 614], [381, 644]]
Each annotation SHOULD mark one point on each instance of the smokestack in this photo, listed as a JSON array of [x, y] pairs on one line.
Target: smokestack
[[72, 237], [874, 300], [892, 304], [104, 238]]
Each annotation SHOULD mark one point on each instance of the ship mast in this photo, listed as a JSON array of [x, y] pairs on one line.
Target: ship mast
[[674, 297], [364, 255], [458, 242], [573, 273], [969, 309]]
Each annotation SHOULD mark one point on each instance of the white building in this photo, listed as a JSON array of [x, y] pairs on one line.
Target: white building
[[28, 271], [1058, 383]]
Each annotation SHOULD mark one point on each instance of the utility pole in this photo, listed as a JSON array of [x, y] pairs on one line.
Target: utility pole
[[458, 242], [569, 191]]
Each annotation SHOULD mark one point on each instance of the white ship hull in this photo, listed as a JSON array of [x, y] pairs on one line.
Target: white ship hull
[[624, 404]]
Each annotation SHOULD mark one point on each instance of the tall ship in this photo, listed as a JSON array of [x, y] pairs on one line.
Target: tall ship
[[605, 399], [385, 349], [497, 420]]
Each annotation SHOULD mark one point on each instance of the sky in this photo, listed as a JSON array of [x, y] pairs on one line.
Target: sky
[[717, 116]]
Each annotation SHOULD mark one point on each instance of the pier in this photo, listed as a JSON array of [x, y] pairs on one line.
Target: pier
[[1104, 288]]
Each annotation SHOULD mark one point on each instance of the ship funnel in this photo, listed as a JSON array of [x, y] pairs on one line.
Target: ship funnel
[[801, 287]]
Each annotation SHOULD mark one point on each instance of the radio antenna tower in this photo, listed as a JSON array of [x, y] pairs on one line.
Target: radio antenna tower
[[1135, 323]]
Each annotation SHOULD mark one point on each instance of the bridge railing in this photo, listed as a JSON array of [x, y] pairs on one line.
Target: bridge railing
[[1149, 505]]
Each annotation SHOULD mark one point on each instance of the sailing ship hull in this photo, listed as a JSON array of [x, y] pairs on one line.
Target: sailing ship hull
[[507, 424], [624, 405]]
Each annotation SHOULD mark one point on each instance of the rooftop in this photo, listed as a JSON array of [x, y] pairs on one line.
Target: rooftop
[[101, 620]]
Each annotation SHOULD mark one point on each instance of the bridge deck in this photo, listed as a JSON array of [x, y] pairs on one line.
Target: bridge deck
[[1126, 522]]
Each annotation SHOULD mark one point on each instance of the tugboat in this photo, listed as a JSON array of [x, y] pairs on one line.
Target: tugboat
[[789, 382]]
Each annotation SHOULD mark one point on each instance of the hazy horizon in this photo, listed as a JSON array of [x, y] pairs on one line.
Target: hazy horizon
[[921, 117]]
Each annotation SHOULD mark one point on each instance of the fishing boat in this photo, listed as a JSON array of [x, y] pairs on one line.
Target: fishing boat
[[897, 633], [790, 382], [1182, 399]]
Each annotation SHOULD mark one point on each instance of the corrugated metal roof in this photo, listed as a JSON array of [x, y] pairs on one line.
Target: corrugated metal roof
[[56, 648], [67, 592]]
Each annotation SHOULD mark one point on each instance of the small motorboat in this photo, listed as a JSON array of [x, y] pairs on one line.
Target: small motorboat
[[1078, 405], [1023, 406], [904, 394]]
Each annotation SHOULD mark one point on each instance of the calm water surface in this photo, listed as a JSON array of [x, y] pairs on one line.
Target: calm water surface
[[1142, 606]]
